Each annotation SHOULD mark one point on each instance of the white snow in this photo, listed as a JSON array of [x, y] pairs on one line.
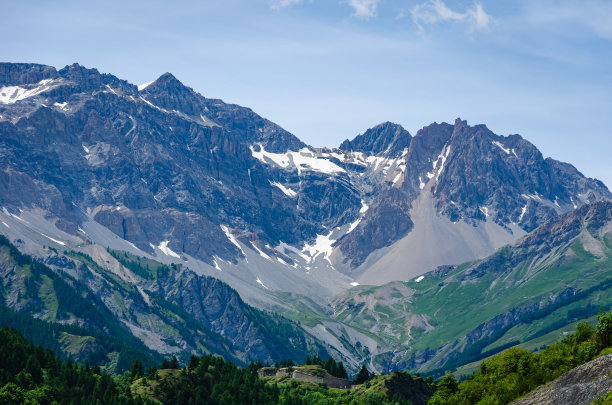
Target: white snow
[[485, 211], [85, 148], [353, 225], [421, 184], [284, 189], [443, 156], [301, 160], [419, 279], [216, 264], [5, 224], [523, 211], [556, 202], [573, 203], [62, 106], [364, 207], [143, 86], [262, 284], [261, 253], [500, 146], [12, 94], [154, 106], [232, 238], [166, 250], [54, 240], [322, 245], [354, 284], [395, 180]]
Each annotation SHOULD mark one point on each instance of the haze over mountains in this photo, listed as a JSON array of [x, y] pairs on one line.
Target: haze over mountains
[[90, 161]]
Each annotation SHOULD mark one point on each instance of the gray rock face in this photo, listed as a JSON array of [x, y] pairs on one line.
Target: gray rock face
[[164, 164], [387, 138], [579, 386]]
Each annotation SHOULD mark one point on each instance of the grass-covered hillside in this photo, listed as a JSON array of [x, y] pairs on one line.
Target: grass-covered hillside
[[526, 294]]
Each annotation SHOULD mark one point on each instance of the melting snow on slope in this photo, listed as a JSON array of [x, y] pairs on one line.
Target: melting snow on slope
[[419, 279], [232, 238], [485, 211], [12, 94], [284, 189], [523, 211], [302, 160], [262, 284], [166, 250], [54, 240], [507, 150], [261, 253], [354, 284], [322, 245], [500, 146], [364, 207], [62, 106], [143, 86], [353, 225]]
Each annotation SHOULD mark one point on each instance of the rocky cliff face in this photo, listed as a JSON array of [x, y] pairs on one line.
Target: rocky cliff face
[[160, 165], [579, 386]]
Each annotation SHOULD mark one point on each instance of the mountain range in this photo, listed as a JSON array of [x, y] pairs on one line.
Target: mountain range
[[103, 181]]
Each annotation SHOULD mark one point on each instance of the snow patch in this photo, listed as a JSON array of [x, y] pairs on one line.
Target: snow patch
[[12, 94], [322, 245], [485, 211], [143, 86], [419, 279], [354, 284], [523, 211], [62, 106], [284, 189], [500, 146], [5, 224], [166, 250], [232, 238], [54, 240], [364, 207], [301, 160], [261, 253], [262, 284], [353, 226]]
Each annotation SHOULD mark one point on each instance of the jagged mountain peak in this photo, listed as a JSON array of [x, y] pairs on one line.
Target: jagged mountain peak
[[385, 138]]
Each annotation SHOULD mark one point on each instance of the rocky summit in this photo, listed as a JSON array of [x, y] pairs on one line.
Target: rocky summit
[[160, 170]]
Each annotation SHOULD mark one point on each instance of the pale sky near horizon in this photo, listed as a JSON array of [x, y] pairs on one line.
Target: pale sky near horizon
[[327, 70]]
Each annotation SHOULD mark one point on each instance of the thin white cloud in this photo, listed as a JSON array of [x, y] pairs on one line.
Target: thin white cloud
[[596, 15], [364, 8], [278, 4], [435, 11]]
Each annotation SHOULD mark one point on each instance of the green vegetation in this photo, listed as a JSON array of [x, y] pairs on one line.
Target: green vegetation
[[511, 374], [145, 268], [32, 375]]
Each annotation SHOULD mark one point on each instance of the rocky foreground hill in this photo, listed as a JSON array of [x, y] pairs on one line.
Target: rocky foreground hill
[[579, 386]]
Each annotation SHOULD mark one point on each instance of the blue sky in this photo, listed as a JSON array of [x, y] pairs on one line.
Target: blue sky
[[327, 70]]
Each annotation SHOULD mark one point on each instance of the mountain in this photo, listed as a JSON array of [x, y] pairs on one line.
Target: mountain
[[149, 307], [103, 180], [527, 294]]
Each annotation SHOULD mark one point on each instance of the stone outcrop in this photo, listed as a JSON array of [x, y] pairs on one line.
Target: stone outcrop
[[579, 386]]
